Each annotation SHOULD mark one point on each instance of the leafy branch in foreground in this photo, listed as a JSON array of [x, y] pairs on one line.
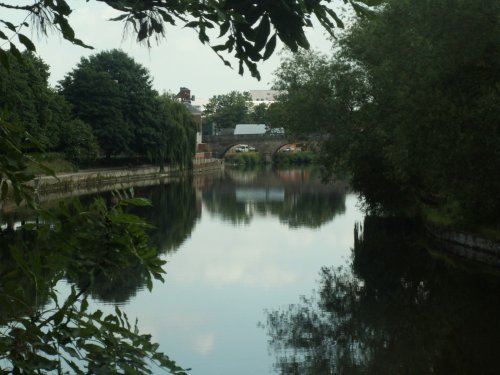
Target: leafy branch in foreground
[[249, 30], [39, 330]]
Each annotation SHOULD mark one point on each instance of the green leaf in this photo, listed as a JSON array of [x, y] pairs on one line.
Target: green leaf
[[192, 24], [336, 18], [84, 305], [262, 33], [119, 18], [270, 47], [27, 42], [220, 47], [224, 28], [9, 25], [67, 31]]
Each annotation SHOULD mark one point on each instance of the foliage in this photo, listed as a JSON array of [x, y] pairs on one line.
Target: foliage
[[249, 30], [225, 111], [13, 163], [42, 332], [25, 95], [29, 102], [171, 136], [113, 94], [302, 157], [258, 114], [78, 142], [409, 107], [245, 159]]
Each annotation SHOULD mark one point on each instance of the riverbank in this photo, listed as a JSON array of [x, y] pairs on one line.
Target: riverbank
[[99, 178], [92, 181], [467, 244]]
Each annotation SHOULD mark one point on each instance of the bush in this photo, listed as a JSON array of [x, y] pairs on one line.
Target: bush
[[297, 158], [246, 158]]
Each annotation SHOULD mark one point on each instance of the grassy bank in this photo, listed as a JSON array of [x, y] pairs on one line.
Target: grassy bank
[[52, 161], [245, 159]]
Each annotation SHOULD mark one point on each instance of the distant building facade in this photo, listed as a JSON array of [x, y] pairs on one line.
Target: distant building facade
[[265, 96]]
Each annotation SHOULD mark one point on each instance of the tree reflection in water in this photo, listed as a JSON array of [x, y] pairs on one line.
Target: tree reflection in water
[[396, 310], [298, 202], [172, 214]]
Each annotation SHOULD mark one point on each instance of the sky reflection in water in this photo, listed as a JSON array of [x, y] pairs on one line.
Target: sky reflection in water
[[228, 272]]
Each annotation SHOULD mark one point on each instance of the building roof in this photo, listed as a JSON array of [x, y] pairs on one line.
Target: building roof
[[241, 129]]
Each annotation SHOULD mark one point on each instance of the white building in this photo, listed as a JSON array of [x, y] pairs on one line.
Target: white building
[[264, 96]]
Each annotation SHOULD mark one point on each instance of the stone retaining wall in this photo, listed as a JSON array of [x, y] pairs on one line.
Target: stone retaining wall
[[468, 245], [96, 180]]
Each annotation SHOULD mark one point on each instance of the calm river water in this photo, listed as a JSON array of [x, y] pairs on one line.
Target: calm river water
[[272, 272]]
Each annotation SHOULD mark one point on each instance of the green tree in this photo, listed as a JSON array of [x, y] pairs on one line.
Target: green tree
[[170, 137], [409, 107], [78, 142], [113, 94], [435, 101], [258, 114], [227, 110], [25, 94]]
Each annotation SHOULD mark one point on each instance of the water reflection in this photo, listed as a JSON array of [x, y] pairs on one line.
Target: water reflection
[[397, 310], [20, 294], [297, 197], [173, 214]]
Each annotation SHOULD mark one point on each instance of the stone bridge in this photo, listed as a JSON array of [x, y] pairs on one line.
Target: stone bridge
[[266, 144]]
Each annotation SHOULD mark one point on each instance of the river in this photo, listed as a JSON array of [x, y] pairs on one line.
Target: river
[[273, 272]]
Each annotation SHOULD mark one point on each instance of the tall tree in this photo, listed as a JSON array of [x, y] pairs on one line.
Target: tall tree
[[411, 108], [171, 135], [26, 96], [227, 110], [114, 94]]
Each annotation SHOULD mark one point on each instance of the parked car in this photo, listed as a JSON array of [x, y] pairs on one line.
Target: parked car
[[244, 148]]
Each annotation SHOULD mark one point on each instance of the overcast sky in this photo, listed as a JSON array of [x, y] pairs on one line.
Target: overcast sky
[[180, 60]]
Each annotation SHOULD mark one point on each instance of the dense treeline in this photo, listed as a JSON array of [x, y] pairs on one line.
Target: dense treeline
[[410, 106], [105, 106]]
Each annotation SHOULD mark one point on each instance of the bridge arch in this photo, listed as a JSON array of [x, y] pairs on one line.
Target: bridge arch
[[225, 151], [267, 144]]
